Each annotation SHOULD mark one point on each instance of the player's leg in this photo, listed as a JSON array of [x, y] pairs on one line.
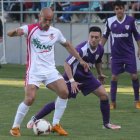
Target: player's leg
[[48, 108], [31, 85], [59, 86], [116, 69], [30, 92], [104, 107], [113, 91], [56, 83], [93, 85], [135, 84], [104, 103], [132, 69]]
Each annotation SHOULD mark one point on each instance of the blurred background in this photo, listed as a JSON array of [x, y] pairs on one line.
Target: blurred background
[[72, 17]]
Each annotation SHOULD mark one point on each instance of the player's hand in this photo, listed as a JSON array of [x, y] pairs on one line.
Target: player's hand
[[85, 65], [19, 32], [102, 78], [74, 87]]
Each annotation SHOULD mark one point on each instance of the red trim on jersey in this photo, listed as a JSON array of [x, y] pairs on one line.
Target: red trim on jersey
[[41, 27], [31, 29], [43, 51]]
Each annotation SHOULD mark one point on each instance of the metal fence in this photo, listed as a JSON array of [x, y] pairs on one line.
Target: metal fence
[[14, 50]]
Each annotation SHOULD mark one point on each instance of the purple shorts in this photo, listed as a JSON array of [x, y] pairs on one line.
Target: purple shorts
[[121, 66], [88, 85]]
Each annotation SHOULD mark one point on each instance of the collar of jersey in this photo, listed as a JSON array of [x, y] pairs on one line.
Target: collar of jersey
[[41, 28], [122, 20], [90, 48]]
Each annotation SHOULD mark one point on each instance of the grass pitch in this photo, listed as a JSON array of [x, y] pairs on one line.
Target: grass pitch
[[82, 118]]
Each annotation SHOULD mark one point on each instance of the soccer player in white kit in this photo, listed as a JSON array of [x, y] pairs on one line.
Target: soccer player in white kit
[[41, 38]]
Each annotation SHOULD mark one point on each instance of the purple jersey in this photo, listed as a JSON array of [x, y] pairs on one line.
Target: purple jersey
[[89, 82], [122, 46]]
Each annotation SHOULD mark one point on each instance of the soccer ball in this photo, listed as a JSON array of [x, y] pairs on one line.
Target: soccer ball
[[42, 127]]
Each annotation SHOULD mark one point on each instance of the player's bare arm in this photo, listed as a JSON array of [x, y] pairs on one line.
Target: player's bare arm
[[138, 53], [101, 76], [73, 52], [74, 84], [103, 41], [15, 32]]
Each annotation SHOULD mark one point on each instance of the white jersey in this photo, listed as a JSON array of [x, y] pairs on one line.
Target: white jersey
[[40, 48]]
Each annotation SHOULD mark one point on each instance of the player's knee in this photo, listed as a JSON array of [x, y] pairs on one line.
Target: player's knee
[[64, 94], [134, 76], [104, 97], [30, 94], [29, 100], [114, 78]]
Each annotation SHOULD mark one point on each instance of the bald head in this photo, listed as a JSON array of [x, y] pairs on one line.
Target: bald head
[[45, 18], [46, 12]]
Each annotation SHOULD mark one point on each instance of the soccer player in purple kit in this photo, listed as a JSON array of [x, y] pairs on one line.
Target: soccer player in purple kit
[[121, 29], [77, 79]]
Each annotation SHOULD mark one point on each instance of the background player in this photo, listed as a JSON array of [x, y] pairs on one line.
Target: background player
[[121, 28]]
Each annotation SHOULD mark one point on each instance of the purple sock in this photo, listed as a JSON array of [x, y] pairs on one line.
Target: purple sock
[[113, 90], [48, 108], [104, 107], [135, 84]]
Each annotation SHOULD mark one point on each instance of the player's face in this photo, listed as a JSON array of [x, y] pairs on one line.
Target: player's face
[[94, 39], [45, 21], [119, 10]]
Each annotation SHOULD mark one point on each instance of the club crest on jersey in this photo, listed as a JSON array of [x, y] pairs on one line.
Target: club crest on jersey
[[51, 36], [115, 25], [97, 56], [126, 27]]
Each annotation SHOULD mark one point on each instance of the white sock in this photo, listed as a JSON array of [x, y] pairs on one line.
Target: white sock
[[60, 105], [21, 112]]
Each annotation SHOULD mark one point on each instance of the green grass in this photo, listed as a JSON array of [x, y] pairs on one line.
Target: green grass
[[82, 118]]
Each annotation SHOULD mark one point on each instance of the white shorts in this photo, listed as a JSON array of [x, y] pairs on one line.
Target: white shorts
[[45, 79]]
